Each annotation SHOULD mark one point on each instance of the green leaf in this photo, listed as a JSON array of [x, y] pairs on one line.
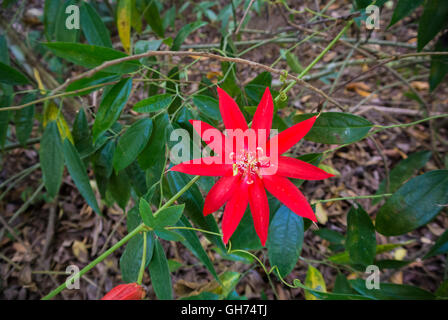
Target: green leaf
[[63, 18], [93, 27], [336, 128], [194, 204], [153, 154], [391, 264], [131, 258], [439, 64], [146, 213], [160, 273], [285, 239], [137, 178], [315, 281], [152, 17], [111, 106], [119, 187], [97, 79], [51, 158], [361, 240], [11, 76], [24, 119], [169, 235], [403, 9], [131, 143], [184, 32], [78, 173], [342, 285], [193, 243], [208, 106], [330, 235], [403, 171], [391, 291], [154, 103], [413, 205], [432, 21], [90, 56], [168, 216], [81, 134], [51, 9], [344, 258], [293, 62], [440, 247]]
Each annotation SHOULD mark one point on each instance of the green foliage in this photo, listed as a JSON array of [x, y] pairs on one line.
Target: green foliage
[[285, 239], [414, 204], [160, 273]]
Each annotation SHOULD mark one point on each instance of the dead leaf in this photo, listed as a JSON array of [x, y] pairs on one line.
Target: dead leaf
[[397, 277], [80, 251], [321, 214], [420, 85]]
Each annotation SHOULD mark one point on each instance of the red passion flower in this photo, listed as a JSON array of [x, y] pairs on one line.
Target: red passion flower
[[128, 291], [249, 162]]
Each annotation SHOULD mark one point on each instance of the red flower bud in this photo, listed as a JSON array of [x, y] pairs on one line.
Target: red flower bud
[[128, 291]]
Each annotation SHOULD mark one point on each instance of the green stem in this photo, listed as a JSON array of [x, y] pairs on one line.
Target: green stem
[[354, 198], [316, 60], [137, 230], [142, 265]]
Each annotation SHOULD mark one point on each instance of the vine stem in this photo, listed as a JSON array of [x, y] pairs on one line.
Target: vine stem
[[129, 236], [142, 265], [354, 198], [316, 60]]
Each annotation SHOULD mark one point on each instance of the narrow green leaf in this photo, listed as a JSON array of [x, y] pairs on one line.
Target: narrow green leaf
[[342, 285], [97, 79], [131, 143], [285, 239], [391, 291], [413, 205], [90, 56], [111, 106], [24, 119], [51, 158], [432, 21], [154, 103], [293, 62], [403, 9], [93, 27], [79, 175], [184, 32], [439, 64], [361, 240], [153, 155], [152, 17], [11, 76], [51, 9], [81, 134], [194, 204], [160, 273], [193, 243], [131, 258], [66, 18], [403, 171], [440, 247], [119, 187], [169, 235]]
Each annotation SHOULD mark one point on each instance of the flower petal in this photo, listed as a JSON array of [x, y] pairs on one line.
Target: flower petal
[[208, 166], [234, 211], [259, 207], [289, 137], [285, 191], [231, 114], [264, 113], [203, 127], [298, 169], [220, 193]]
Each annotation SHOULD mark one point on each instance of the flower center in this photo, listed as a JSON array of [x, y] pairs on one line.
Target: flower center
[[248, 163]]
